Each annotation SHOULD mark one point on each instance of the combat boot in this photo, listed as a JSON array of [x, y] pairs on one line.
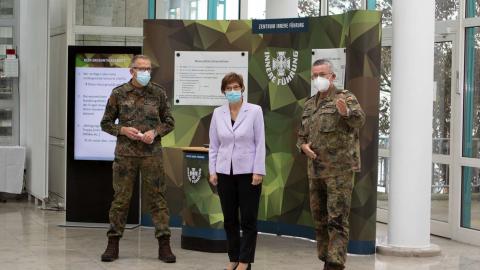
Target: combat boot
[[164, 251], [111, 253]]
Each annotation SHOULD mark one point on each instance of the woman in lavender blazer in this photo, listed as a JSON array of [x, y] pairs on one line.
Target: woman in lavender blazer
[[237, 166]]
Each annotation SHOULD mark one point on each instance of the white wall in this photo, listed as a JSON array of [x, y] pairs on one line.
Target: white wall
[[57, 99], [57, 115], [33, 57]]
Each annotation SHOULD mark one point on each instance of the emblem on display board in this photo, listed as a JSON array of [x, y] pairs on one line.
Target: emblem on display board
[[281, 68], [194, 175]]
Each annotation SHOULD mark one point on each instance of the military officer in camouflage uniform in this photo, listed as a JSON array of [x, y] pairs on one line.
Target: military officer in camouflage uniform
[[143, 114], [328, 136]]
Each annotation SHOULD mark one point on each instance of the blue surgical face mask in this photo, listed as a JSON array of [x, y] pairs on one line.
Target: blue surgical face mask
[[143, 77], [233, 96]]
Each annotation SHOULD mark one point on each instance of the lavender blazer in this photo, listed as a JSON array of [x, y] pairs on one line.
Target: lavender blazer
[[242, 145]]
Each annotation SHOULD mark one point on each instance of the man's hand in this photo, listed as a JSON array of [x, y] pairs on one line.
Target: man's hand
[[342, 107], [148, 137], [213, 179], [131, 133], [308, 151], [257, 179]]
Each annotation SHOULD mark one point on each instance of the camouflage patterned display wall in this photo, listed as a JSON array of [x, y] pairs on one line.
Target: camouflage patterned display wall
[[284, 207]]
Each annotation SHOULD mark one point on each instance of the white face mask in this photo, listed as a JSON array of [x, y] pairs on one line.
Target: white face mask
[[320, 84]]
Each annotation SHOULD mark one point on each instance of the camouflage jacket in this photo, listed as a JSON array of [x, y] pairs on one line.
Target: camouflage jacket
[[144, 109], [334, 137]]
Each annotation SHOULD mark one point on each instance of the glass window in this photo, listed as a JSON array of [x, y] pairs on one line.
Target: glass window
[[119, 13], [470, 198], [385, 6], [256, 9], [201, 9], [471, 95], [442, 97], [183, 9], [308, 8], [95, 40], [440, 131], [440, 192], [473, 8], [385, 94], [446, 10], [383, 178], [6, 122], [226, 9], [6, 40], [193, 9], [383, 182], [341, 6], [7, 8], [6, 89]]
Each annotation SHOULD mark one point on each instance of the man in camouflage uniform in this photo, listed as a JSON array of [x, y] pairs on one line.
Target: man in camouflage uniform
[[143, 114], [328, 136]]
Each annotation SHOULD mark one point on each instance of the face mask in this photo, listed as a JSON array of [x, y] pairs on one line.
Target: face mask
[[143, 77], [320, 84], [233, 96]]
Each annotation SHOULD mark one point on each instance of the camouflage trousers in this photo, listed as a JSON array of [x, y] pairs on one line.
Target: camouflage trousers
[[125, 172], [330, 200]]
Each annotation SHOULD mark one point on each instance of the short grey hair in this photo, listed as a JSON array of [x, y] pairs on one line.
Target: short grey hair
[[321, 62], [138, 56]]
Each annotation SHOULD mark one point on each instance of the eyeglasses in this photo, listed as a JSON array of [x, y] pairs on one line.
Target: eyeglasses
[[323, 75], [235, 88], [142, 68]]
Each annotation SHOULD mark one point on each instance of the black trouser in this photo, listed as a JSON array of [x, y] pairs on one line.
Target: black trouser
[[237, 193]]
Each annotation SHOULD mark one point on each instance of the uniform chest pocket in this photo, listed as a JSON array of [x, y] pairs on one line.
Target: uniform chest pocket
[[327, 119], [306, 116], [151, 107], [127, 109], [326, 125]]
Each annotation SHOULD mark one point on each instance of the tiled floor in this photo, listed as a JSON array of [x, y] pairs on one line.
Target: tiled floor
[[31, 239]]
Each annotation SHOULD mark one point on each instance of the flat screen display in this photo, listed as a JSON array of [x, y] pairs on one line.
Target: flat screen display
[[93, 72], [96, 74]]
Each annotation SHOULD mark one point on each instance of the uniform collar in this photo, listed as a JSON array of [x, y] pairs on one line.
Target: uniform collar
[[331, 95], [131, 87]]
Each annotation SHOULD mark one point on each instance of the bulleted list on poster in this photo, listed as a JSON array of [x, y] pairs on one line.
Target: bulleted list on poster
[[198, 75], [93, 86]]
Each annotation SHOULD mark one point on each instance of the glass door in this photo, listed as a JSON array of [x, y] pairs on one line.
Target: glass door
[[467, 203], [445, 84]]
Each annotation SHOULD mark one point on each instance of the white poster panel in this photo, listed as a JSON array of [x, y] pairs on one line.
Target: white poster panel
[[198, 76], [93, 86], [338, 58]]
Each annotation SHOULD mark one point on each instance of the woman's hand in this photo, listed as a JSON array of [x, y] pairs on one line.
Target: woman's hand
[[257, 179], [213, 179]]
